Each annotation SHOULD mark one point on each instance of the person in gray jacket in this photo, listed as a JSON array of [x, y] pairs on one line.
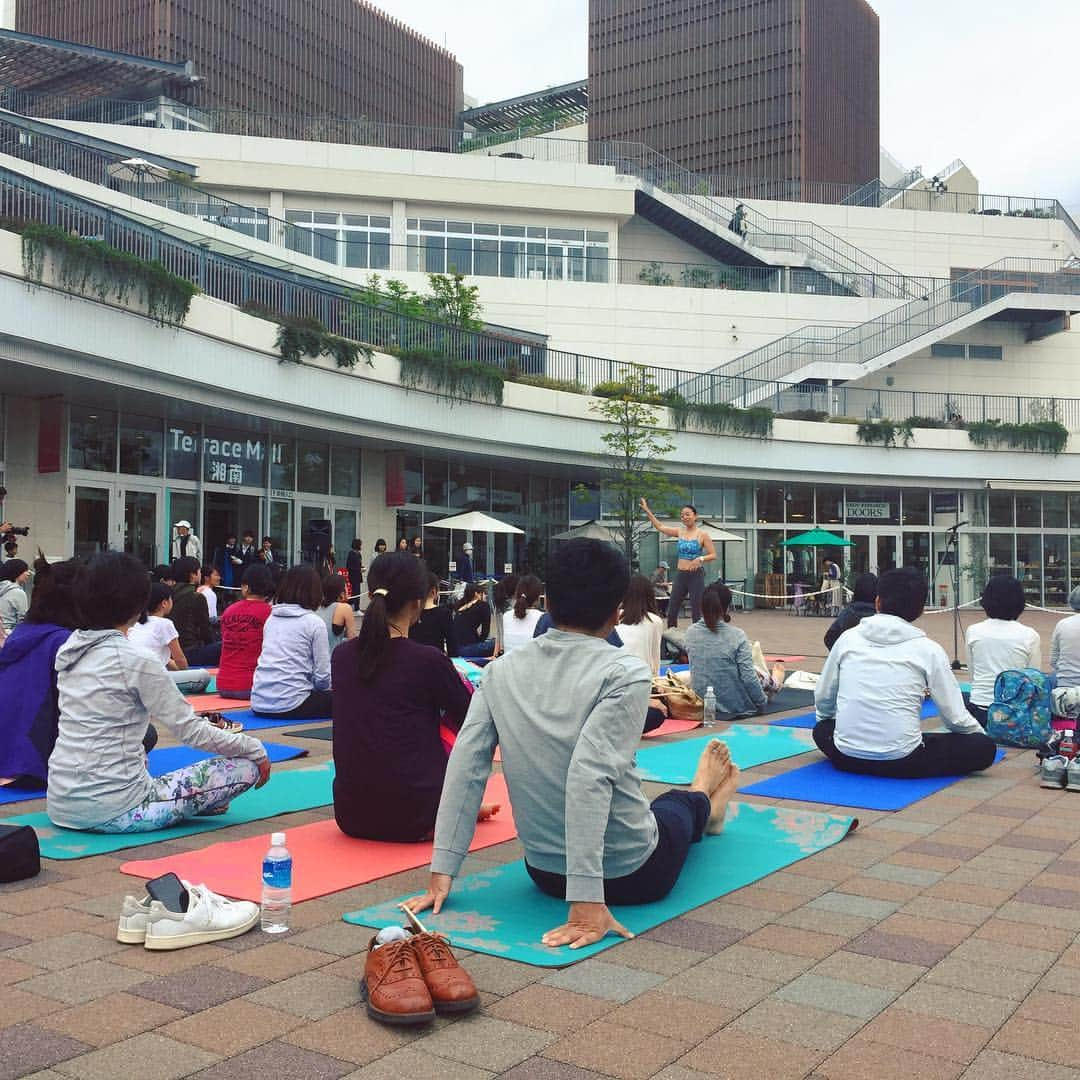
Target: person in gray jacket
[[566, 710], [14, 602], [721, 657], [108, 690]]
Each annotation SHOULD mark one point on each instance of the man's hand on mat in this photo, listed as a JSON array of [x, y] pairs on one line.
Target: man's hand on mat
[[264, 772], [587, 924], [438, 891]]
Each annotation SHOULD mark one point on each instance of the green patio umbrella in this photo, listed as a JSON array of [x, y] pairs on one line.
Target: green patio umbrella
[[817, 538]]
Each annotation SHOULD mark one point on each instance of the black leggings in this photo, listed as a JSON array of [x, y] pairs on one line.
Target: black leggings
[[681, 817], [318, 705], [687, 583], [978, 711], [941, 754]]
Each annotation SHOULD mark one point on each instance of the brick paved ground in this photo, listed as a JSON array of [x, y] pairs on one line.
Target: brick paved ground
[[937, 942]]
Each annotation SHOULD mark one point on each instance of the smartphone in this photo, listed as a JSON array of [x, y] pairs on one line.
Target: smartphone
[[169, 891]]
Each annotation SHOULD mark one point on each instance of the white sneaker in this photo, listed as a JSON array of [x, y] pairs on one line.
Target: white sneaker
[[134, 916], [209, 917]]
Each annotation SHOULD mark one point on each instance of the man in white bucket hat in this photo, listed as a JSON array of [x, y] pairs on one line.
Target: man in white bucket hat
[[185, 543]]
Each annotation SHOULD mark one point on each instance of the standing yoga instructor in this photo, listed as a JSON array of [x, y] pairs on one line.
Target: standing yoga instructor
[[695, 550]]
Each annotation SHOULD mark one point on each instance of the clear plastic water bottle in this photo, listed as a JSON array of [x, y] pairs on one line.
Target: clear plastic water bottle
[[277, 886], [708, 717]]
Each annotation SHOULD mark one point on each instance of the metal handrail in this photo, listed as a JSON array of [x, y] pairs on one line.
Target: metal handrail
[[238, 281]]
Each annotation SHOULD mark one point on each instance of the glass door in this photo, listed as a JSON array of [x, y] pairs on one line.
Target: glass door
[[873, 552], [91, 520], [139, 533]]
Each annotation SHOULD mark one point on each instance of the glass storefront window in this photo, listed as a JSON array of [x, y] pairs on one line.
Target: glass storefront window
[[737, 501], [916, 503], [312, 467], [1055, 567], [1029, 566], [708, 499], [141, 445], [1074, 551], [469, 487], [281, 525], [977, 508], [182, 451], [92, 439], [345, 471], [1002, 558], [436, 483], [830, 505], [1054, 516], [283, 468], [1001, 510], [800, 504], [408, 526], [414, 479], [770, 553], [508, 492], [1028, 511], [770, 502], [234, 458], [917, 551], [584, 502], [345, 532], [872, 506], [1074, 511]]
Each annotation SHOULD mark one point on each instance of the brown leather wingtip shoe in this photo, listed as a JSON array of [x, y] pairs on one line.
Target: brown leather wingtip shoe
[[394, 985], [450, 985]]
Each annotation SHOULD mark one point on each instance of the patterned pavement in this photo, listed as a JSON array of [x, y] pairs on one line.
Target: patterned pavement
[[936, 942]]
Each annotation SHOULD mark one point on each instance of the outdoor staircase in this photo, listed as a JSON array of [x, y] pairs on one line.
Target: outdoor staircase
[[1035, 286]]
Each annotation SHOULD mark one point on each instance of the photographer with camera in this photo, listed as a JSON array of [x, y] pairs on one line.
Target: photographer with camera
[[8, 532]]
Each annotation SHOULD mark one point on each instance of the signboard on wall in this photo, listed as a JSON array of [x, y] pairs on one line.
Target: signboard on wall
[[869, 511], [227, 457]]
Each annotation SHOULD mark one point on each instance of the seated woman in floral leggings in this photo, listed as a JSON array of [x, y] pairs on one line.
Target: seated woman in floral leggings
[[108, 691]]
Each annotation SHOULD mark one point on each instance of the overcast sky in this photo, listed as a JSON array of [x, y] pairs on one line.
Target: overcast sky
[[994, 82]]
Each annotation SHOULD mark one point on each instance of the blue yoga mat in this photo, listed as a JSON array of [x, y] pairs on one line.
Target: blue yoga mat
[[284, 793], [252, 722], [821, 782], [161, 762], [501, 912], [808, 720], [750, 745], [471, 671]]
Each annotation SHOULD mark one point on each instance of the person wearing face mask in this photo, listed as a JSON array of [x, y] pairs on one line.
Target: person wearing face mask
[[695, 549], [391, 696]]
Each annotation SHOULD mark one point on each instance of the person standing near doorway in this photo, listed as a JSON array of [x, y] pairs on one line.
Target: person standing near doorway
[[464, 564], [186, 545], [695, 549]]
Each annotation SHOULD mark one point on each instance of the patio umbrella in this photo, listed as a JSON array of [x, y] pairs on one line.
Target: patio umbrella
[[136, 171], [474, 521], [591, 530], [817, 538]]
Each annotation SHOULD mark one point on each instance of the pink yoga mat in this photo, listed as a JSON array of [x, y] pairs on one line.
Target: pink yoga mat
[[216, 703], [324, 859], [672, 727]]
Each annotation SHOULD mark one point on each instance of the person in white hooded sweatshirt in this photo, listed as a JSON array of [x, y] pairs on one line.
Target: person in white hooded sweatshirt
[[870, 693], [292, 678]]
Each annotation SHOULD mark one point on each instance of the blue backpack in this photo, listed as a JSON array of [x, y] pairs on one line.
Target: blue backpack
[[1020, 714]]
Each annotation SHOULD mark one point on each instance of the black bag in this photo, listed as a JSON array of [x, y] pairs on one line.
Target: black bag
[[20, 856]]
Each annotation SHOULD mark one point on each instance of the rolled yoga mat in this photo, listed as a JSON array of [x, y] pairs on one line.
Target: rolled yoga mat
[[501, 912], [284, 793], [823, 783], [325, 860], [750, 745]]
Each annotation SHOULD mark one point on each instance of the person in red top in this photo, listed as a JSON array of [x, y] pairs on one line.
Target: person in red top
[[242, 632]]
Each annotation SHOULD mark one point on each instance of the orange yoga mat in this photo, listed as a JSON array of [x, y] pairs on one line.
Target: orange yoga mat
[[324, 859], [672, 727], [216, 703]]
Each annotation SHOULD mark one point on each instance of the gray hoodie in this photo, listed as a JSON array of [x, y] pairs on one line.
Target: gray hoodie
[[13, 604], [108, 693], [295, 660]]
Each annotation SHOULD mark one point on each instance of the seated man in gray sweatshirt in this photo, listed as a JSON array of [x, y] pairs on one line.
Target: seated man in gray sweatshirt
[[566, 710]]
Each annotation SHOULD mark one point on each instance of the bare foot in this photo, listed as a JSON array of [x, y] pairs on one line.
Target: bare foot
[[713, 767], [488, 811], [720, 799]]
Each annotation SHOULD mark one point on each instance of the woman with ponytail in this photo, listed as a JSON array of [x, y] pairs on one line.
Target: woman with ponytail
[[721, 657], [391, 696], [520, 622]]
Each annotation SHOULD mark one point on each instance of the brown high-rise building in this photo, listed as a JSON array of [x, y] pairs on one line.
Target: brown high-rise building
[[301, 57], [771, 89]]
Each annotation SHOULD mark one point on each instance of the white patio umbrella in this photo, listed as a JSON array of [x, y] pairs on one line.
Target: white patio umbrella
[[136, 170], [474, 521], [590, 530]]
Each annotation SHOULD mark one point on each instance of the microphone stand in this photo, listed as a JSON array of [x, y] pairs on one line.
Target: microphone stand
[[952, 544]]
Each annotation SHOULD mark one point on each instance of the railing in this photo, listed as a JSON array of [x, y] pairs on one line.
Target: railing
[[951, 300]]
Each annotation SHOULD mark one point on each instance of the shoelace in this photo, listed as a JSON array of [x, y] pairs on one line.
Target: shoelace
[[435, 947], [400, 965]]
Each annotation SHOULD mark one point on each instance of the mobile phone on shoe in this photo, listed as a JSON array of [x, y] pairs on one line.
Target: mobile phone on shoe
[[169, 891]]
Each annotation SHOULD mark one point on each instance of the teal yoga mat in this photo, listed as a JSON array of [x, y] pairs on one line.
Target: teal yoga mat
[[750, 745], [502, 913], [284, 793]]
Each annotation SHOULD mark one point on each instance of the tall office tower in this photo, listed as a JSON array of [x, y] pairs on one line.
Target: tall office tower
[[774, 89], [301, 57]]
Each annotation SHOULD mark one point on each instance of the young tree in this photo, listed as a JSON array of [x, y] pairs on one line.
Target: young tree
[[633, 449], [453, 302]]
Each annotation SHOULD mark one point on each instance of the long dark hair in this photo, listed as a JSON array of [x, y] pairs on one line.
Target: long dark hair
[[639, 601], [301, 585], [472, 592], [53, 601], [529, 589], [395, 580], [715, 604], [505, 591]]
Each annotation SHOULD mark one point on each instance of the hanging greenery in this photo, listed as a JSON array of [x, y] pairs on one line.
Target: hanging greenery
[[720, 418], [1043, 436], [817, 416], [885, 432], [90, 267], [451, 379], [303, 335]]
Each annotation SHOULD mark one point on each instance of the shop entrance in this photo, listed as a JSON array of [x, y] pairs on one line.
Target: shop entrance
[[104, 516], [873, 552]]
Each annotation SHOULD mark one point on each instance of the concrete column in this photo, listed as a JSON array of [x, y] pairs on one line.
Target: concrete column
[[376, 518], [398, 238], [277, 214]]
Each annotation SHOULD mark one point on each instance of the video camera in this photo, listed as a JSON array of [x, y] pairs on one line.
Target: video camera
[[11, 530]]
